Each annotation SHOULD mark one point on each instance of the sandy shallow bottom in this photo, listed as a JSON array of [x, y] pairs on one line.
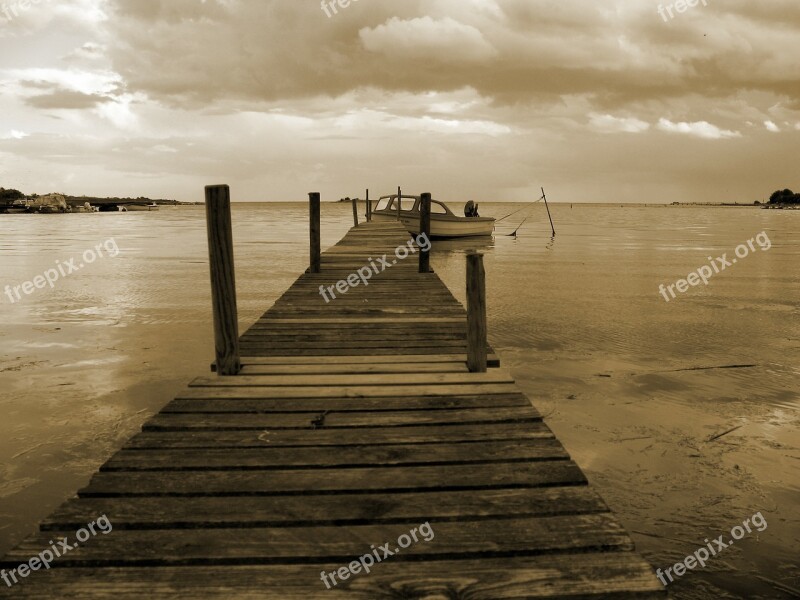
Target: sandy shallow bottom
[[672, 488], [621, 376]]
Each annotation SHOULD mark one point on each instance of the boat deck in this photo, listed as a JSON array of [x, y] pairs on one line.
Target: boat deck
[[351, 424]]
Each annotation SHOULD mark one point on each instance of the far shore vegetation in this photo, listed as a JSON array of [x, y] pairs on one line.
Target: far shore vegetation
[[784, 197], [11, 196]]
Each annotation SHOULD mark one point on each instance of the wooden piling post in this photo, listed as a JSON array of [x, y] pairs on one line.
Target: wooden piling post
[[425, 230], [316, 247], [399, 194], [369, 208], [223, 280], [476, 313], [355, 212]]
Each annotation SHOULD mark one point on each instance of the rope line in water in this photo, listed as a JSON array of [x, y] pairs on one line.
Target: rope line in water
[[520, 209]]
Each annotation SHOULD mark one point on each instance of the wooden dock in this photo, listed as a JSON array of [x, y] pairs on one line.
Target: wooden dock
[[350, 424]]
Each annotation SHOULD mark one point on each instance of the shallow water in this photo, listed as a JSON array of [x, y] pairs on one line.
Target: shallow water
[[626, 379]]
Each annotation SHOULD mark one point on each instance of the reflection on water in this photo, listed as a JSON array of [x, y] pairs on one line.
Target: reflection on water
[[577, 318]]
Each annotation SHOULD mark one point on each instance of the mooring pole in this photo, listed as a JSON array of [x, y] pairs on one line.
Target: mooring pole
[[425, 230], [369, 208], [476, 313], [355, 212], [223, 279], [548, 213], [314, 227]]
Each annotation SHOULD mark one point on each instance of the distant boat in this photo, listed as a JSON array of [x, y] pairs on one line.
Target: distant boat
[[142, 207], [444, 223], [16, 207]]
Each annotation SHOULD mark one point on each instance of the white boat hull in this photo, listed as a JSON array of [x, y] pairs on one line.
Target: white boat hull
[[442, 226]]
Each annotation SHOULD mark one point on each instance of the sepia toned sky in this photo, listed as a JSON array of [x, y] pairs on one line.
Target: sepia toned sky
[[596, 100]]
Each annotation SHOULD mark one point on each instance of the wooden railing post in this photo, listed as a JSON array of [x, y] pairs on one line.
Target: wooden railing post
[[425, 230], [369, 208], [223, 280], [476, 313], [355, 212], [316, 248]]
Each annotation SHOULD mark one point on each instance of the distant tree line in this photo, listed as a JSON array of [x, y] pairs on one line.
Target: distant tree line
[[11, 194], [784, 197], [7, 196]]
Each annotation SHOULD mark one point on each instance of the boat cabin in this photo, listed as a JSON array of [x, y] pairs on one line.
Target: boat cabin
[[411, 204]]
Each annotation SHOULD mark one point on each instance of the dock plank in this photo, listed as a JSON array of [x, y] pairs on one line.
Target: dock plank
[[298, 545], [617, 575], [334, 480]]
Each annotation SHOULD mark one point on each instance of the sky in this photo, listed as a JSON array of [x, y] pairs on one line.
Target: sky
[[595, 100]]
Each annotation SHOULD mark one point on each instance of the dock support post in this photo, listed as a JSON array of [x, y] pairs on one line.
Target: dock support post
[[399, 194], [355, 212], [425, 229], [223, 280], [316, 246], [476, 313], [369, 208]]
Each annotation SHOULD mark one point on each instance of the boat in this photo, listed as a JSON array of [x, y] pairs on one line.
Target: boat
[[14, 207], [444, 223], [142, 207]]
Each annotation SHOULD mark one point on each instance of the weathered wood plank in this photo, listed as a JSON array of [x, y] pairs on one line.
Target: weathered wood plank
[[422, 379], [265, 545], [618, 575], [328, 420], [342, 509], [353, 368], [360, 359], [185, 404], [346, 456], [318, 481], [367, 436], [377, 391]]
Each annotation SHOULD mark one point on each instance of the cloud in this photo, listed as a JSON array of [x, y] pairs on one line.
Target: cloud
[[611, 124], [443, 40], [14, 135], [771, 126], [478, 97], [65, 99], [701, 129]]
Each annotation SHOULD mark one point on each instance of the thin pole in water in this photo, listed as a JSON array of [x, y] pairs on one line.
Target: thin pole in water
[[544, 196]]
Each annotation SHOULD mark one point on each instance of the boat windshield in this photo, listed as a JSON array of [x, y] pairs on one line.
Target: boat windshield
[[390, 203]]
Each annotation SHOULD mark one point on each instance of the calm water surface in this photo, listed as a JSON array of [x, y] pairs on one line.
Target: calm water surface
[[627, 381]]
